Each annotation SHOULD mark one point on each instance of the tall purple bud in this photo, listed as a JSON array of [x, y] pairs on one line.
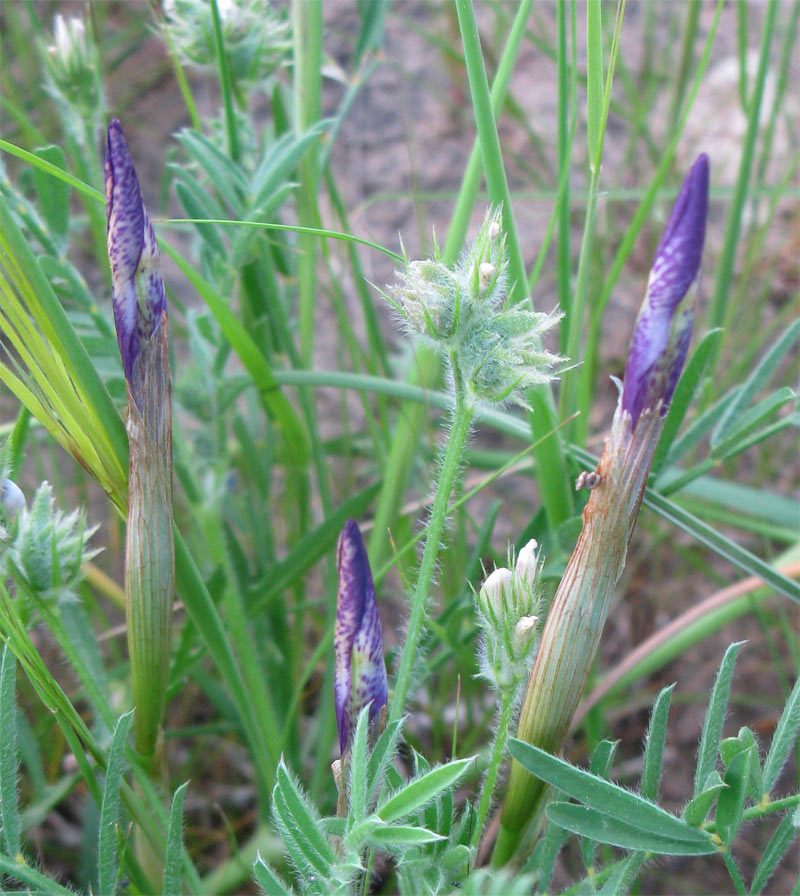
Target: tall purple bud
[[664, 326], [140, 314], [360, 678], [571, 634]]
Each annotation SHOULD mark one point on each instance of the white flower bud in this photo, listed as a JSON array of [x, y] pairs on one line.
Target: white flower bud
[[523, 631], [486, 272], [11, 498], [494, 230], [527, 568], [495, 591]]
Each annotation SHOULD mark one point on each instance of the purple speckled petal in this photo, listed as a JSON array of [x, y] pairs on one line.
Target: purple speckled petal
[[360, 675], [137, 287], [661, 336]]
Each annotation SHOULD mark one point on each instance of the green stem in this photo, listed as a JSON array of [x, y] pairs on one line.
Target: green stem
[[498, 749], [463, 413], [741, 889]]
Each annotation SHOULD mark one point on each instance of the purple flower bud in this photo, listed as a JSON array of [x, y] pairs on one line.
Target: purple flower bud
[[663, 330], [360, 678], [137, 287]]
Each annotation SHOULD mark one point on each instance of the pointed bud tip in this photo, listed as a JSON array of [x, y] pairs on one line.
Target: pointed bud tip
[[662, 334]]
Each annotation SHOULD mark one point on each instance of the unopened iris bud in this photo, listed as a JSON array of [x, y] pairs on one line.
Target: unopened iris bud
[[137, 286], [571, 634], [140, 314], [664, 326], [360, 675]]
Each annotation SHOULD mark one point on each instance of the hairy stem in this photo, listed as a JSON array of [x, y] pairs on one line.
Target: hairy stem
[[463, 413], [498, 749]]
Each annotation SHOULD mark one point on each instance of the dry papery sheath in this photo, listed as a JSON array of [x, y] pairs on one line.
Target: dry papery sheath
[[572, 631], [360, 677], [140, 315]]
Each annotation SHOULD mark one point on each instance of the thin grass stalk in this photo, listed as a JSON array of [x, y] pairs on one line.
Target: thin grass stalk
[[550, 459], [426, 369], [722, 285]]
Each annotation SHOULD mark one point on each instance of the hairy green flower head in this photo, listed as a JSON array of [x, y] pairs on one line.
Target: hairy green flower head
[[256, 36], [509, 606], [49, 547], [71, 63], [495, 354]]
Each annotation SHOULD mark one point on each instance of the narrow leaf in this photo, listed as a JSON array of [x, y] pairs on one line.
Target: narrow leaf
[[109, 810], [697, 808], [777, 846], [402, 835], [418, 792], [783, 739], [730, 802], [758, 377], [654, 751], [608, 798], [9, 805], [358, 768], [684, 393], [53, 193], [594, 78], [305, 820], [268, 880], [588, 822], [174, 850], [712, 727]]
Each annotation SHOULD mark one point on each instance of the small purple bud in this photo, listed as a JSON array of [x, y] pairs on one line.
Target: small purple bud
[[360, 678], [137, 288], [663, 330]]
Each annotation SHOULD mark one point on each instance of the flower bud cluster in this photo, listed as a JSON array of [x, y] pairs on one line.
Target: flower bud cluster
[[48, 548], [72, 66], [494, 353], [509, 606], [256, 39]]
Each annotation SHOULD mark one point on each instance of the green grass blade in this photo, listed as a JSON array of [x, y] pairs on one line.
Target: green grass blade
[[684, 393], [783, 740], [174, 848], [754, 382], [107, 863], [733, 226], [594, 79], [715, 716], [9, 796]]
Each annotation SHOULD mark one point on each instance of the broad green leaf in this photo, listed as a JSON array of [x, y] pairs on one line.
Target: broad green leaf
[[600, 765], [589, 822], [757, 379], [9, 797], [684, 393], [608, 798], [729, 748], [402, 835], [225, 175], [418, 792], [715, 716], [730, 802], [309, 838], [53, 193], [174, 848], [775, 849], [107, 867], [269, 881], [782, 741], [654, 750]]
